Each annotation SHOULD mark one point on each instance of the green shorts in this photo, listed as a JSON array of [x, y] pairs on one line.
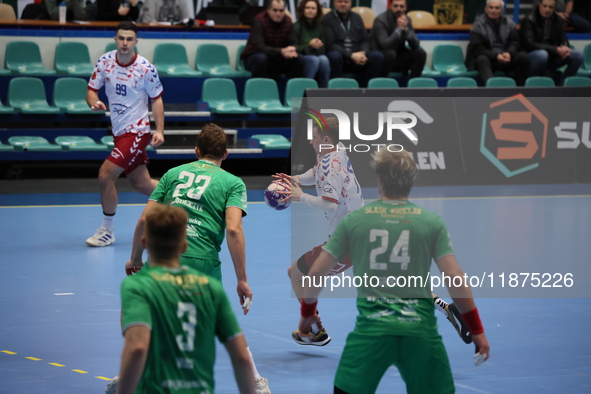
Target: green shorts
[[422, 363], [208, 267]]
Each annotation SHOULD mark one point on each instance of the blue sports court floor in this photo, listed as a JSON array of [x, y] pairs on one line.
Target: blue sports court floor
[[59, 299]]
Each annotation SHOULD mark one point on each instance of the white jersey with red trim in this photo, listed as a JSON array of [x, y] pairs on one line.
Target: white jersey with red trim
[[336, 182], [128, 88]]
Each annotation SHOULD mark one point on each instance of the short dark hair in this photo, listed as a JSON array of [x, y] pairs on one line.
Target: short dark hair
[[397, 172], [276, 1], [127, 25], [165, 231], [302, 7], [333, 129], [212, 142]]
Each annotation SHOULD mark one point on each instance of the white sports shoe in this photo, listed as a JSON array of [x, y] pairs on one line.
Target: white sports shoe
[[262, 386], [111, 387], [103, 237]]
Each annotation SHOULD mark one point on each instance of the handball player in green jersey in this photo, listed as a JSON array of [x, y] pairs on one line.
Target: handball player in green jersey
[[393, 237]]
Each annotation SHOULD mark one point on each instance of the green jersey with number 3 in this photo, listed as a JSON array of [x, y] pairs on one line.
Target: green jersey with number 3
[[392, 244], [204, 190], [185, 310]]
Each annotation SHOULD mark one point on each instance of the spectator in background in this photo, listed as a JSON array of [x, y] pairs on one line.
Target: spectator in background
[[494, 45], [76, 9], [117, 10], [310, 38], [348, 44], [578, 15], [167, 11], [543, 36], [270, 50], [391, 30]]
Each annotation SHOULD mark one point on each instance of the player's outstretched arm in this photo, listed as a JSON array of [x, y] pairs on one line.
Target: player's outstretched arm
[[237, 247], [158, 113], [135, 262], [462, 297], [242, 365], [93, 101], [133, 358]]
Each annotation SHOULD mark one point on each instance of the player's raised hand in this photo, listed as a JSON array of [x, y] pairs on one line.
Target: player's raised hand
[[482, 348], [157, 139], [133, 268], [98, 106], [281, 177], [293, 191], [244, 295]]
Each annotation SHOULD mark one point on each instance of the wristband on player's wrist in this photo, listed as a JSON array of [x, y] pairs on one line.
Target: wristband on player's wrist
[[472, 320], [308, 310]]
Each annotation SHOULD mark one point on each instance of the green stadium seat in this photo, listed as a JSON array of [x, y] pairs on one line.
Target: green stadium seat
[[171, 61], [73, 59], [108, 142], [391, 74], [380, 83], [33, 144], [295, 89], [449, 60], [27, 95], [240, 62], [461, 82], [6, 148], [500, 82], [422, 82], [220, 94], [24, 58], [427, 72], [5, 109], [577, 81], [79, 143], [213, 60], [69, 94], [268, 141], [343, 83], [112, 46], [262, 95], [4, 71], [585, 69], [539, 82]]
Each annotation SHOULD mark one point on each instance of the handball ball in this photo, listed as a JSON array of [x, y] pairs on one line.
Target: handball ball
[[273, 199]]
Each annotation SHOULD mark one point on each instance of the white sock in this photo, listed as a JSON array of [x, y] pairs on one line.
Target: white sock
[[314, 328], [254, 367], [108, 221], [441, 305]]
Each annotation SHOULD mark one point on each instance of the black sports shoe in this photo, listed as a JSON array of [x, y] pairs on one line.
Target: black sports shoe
[[455, 318], [319, 339]]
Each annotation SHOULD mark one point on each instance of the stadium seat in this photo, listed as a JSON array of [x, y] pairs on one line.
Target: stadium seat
[[585, 68], [423, 82], [6, 148], [366, 14], [79, 143], [391, 74], [268, 141], [421, 18], [220, 94], [427, 72], [539, 82], [500, 82], [27, 95], [449, 60], [5, 109], [262, 95], [343, 83], [7, 12], [213, 60], [461, 82], [171, 61], [295, 89], [112, 46], [577, 81], [4, 71], [240, 62], [33, 144], [73, 59], [382, 83], [24, 58], [108, 142], [69, 94]]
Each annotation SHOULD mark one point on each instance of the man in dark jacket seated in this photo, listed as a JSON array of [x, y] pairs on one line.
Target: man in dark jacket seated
[[494, 45]]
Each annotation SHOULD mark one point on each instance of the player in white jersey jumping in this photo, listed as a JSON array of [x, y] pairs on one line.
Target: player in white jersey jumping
[[129, 79], [338, 194]]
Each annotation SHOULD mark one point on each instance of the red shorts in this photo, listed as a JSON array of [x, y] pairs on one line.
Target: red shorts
[[130, 151], [307, 260]]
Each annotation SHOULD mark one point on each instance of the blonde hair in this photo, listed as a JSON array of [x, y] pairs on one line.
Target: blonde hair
[[165, 231], [396, 171]]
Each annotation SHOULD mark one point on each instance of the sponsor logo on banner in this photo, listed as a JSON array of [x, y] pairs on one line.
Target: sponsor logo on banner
[[514, 135]]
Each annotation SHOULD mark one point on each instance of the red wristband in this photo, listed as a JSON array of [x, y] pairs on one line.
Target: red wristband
[[472, 320], [308, 310]]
